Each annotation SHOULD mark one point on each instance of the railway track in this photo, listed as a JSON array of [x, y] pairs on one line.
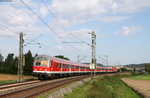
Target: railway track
[[34, 89], [5, 86]]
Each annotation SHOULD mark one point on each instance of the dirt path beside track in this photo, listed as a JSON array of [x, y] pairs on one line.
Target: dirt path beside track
[[141, 86], [5, 77]]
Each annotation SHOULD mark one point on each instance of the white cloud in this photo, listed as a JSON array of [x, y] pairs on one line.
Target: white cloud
[[126, 31], [59, 47], [43, 11], [18, 20], [113, 18], [77, 34], [81, 11]]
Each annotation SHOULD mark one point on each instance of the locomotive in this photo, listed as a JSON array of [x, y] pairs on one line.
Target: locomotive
[[47, 67]]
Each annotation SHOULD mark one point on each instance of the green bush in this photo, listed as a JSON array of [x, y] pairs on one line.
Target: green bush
[[147, 68]]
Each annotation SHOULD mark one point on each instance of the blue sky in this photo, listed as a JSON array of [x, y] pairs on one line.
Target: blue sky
[[121, 26]]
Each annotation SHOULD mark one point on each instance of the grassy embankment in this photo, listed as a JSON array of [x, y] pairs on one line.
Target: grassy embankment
[[142, 77], [8, 81], [103, 87]]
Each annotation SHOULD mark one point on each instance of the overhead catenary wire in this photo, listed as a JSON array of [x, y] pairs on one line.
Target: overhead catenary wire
[[40, 44], [80, 39], [62, 52], [33, 40], [41, 20], [8, 29], [45, 23], [61, 23], [53, 15]]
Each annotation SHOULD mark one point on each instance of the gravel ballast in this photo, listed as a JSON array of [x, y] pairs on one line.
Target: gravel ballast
[[67, 89]]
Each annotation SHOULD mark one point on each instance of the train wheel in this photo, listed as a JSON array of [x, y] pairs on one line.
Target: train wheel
[[40, 77]]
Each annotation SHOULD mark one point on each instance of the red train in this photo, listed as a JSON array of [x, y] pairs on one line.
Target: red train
[[46, 67]]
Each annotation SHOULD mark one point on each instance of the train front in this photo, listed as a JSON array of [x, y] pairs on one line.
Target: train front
[[41, 66]]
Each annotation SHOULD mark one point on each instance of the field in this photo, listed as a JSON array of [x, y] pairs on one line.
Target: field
[[7, 78], [142, 77], [103, 87]]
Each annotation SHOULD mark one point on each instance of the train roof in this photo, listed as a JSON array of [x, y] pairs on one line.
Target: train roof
[[60, 60], [65, 61]]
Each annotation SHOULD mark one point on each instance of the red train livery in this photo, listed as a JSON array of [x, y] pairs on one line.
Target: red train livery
[[46, 67]]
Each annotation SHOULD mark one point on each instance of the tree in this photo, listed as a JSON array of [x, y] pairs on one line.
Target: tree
[[9, 60], [62, 57], [123, 69], [147, 67], [28, 63], [1, 59], [9, 64]]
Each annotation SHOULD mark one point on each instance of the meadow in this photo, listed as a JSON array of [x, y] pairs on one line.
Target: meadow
[[103, 87]]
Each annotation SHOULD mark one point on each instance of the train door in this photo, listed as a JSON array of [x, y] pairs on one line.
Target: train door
[[56, 66], [51, 65]]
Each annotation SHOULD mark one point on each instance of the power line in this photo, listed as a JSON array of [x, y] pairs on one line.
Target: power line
[[33, 40], [61, 23], [44, 22], [54, 49], [80, 39], [41, 20], [38, 43], [8, 28], [54, 16], [57, 21]]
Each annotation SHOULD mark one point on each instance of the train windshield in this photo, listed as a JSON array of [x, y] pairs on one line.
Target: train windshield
[[41, 61]]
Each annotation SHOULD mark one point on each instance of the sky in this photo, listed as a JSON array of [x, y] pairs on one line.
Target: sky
[[62, 27]]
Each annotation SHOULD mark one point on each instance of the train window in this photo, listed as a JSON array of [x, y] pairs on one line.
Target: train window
[[77, 67], [60, 65], [67, 66], [41, 58], [81, 67], [64, 65], [72, 66], [38, 63], [57, 66]]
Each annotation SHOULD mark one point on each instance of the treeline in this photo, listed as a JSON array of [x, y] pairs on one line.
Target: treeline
[[147, 68], [9, 65]]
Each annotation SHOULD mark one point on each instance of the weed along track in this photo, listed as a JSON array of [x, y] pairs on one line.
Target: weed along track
[[34, 89]]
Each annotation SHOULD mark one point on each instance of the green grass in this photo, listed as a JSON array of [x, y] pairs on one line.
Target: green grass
[[142, 77], [14, 81], [79, 92], [9, 81], [103, 87]]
